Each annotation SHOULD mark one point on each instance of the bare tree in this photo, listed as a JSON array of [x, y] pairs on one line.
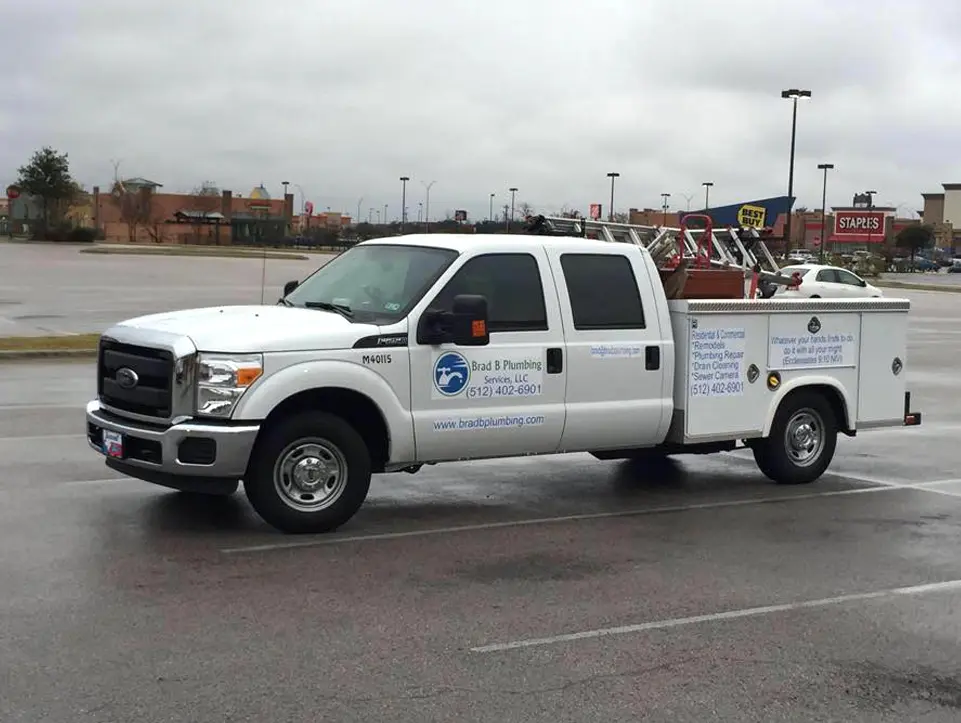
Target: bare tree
[[525, 210], [135, 206], [205, 200]]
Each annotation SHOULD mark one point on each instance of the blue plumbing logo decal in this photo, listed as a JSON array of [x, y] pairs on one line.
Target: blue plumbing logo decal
[[451, 374]]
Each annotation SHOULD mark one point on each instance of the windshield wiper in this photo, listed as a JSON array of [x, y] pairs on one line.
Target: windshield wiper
[[284, 302], [344, 311]]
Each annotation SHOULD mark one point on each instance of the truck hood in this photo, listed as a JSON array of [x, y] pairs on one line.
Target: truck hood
[[249, 329]]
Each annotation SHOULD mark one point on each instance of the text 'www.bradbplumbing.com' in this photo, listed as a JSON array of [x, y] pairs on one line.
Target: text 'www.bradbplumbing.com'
[[501, 422]]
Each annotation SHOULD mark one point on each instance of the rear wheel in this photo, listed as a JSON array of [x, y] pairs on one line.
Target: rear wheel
[[309, 473], [802, 441]]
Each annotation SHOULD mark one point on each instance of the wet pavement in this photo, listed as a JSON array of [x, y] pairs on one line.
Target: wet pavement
[[49, 289], [556, 589]]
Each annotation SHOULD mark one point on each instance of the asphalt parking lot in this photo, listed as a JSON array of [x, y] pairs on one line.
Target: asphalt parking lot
[[50, 289], [561, 589]]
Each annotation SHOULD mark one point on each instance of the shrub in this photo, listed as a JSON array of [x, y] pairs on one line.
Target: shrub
[[82, 234]]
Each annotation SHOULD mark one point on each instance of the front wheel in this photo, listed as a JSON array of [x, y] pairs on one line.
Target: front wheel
[[310, 473], [802, 440]]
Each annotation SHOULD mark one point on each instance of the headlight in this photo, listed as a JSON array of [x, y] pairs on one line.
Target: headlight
[[222, 380]]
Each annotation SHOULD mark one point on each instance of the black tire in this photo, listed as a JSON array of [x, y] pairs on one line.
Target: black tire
[[303, 504], [815, 296], [789, 458]]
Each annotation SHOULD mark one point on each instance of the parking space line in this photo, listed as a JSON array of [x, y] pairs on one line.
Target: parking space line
[[34, 407], [531, 522], [956, 480], [82, 482], [41, 437], [921, 486], [946, 586]]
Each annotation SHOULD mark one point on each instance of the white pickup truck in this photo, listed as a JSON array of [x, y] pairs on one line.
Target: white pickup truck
[[421, 349]]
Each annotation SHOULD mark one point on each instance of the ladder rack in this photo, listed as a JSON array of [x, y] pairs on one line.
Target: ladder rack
[[729, 248]]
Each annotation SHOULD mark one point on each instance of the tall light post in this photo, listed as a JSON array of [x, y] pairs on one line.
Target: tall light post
[[610, 211], [664, 206], [870, 195], [824, 203], [427, 205], [707, 194], [513, 190], [490, 216], [792, 94], [357, 217], [386, 221], [403, 202], [688, 199]]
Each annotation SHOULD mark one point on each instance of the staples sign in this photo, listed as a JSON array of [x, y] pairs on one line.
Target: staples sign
[[858, 223]]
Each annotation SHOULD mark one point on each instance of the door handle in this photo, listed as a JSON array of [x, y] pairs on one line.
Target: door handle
[[652, 358], [555, 361]]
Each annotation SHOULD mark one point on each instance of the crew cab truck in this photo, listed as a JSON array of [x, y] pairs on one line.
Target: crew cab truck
[[422, 349]]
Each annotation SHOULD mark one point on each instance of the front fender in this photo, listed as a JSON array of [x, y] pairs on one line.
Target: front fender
[[810, 380], [264, 396]]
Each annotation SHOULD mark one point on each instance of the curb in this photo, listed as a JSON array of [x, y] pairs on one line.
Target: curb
[[22, 354], [919, 287], [275, 255]]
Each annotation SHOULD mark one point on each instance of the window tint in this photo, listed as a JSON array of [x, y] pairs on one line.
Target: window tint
[[512, 285], [603, 291], [846, 277], [829, 275]]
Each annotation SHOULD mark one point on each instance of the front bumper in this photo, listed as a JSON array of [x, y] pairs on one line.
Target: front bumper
[[191, 455]]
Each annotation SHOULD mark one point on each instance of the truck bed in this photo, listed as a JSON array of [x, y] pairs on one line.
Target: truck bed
[[735, 359]]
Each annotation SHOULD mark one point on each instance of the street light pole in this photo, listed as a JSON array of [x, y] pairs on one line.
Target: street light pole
[[707, 194], [870, 195], [513, 190], [664, 206], [427, 205], [490, 216], [824, 202], [793, 94], [610, 211], [403, 202]]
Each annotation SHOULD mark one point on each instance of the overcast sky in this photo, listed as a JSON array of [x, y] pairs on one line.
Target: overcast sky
[[345, 96]]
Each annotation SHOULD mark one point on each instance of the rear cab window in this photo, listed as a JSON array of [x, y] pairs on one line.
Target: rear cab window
[[603, 292]]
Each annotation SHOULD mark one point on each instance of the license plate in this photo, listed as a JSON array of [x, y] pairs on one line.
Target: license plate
[[112, 444]]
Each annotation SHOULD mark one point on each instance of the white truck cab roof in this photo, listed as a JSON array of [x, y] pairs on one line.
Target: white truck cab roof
[[463, 242]]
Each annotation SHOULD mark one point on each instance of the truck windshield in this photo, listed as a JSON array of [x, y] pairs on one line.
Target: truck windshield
[[376, 283]]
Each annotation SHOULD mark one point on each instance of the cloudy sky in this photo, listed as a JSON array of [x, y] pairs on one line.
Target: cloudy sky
[[342, 97]]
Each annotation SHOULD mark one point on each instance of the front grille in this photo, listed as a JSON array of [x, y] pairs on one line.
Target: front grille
[[152, 396]]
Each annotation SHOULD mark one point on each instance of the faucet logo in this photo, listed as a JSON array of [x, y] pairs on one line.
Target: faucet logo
[[451, 373]]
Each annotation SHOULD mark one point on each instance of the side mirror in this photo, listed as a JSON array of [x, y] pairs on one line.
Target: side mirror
[[290, 286], [464, 325]]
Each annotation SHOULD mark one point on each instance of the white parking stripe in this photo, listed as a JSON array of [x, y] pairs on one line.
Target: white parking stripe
[[333, 540], [41, 437], [947, 586]]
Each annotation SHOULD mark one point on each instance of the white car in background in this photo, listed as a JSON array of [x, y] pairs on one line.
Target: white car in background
[[826, 282]]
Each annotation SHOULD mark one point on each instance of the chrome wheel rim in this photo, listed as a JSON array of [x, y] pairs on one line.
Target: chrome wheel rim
[[804, 437], [310, 475]]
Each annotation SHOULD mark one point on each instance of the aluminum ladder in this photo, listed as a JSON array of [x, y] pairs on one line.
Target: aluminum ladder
[[730, 247]]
